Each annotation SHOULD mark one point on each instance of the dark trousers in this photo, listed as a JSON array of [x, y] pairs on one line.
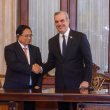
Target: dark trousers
[[29, 105], [67, 106]]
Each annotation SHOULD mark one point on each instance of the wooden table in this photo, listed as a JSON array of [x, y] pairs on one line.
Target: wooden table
[[52, 94]]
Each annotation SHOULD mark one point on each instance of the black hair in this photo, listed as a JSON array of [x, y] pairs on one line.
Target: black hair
[[21, 28]]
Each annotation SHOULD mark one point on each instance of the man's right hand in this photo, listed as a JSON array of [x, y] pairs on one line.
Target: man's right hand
[[36, 68]]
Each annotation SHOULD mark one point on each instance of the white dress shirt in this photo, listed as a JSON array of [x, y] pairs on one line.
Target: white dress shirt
[[28, 55], [61, 38]]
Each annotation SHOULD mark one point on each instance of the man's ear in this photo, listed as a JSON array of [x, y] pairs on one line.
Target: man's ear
[[17, 35]]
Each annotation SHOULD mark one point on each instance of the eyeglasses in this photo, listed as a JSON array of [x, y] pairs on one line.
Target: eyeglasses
[[30, 35]]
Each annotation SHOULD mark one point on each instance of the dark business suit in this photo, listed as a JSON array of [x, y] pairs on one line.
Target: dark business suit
[[18, 70], [70, 70]]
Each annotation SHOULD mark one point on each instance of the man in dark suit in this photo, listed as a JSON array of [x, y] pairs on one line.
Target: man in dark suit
[[69, 53], [21, 59]]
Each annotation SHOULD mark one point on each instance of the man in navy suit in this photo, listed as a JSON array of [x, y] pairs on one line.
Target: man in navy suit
[[21, 59], [69, 53]]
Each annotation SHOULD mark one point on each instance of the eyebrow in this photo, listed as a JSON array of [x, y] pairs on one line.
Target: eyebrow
[[59, 20]]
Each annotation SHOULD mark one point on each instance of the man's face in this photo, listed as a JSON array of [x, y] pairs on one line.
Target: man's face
[[61, 23], [26, 37]]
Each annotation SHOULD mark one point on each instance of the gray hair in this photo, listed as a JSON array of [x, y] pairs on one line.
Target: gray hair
[[60, 12]]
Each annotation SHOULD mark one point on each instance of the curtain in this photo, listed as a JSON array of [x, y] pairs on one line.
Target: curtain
[[41, 21], [7, 28], [93, 20]]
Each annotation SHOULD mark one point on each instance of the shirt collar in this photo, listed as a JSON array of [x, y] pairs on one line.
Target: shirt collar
[[23, 45], [66, 33]]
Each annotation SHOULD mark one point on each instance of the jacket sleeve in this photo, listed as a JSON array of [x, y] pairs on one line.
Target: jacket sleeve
[[86, 52], [40, 75], [13, 64], [50, 64]]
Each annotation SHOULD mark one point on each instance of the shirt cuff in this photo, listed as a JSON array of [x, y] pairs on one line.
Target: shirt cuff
[[41, 70]]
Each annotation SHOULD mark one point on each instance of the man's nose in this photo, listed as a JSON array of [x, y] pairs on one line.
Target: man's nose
[[59, 23], [29, 37]]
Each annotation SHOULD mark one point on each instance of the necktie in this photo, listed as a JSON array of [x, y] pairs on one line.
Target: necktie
[[30, 82], [25, 53], [63, 45]]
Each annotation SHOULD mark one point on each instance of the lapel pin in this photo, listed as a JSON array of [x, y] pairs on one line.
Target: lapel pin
[[71, 37]]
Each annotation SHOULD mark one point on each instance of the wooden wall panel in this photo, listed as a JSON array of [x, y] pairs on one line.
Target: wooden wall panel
[[70, 6], [23, 12], [73, 14], [63, 5]]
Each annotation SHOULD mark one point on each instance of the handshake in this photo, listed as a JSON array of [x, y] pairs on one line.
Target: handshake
[[36, 68]]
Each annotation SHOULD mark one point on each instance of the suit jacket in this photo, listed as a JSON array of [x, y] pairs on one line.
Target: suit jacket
[[76, 66], [18, 70]]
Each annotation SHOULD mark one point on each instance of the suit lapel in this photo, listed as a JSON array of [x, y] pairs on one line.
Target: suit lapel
[[30, 53], [58, 48], [21, 52], [70, 39]]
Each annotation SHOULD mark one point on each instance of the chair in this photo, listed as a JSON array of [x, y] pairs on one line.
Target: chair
[[97, 78]]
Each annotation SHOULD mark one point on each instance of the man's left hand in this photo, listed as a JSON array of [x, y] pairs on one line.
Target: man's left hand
[[84, 84], [36, 87]]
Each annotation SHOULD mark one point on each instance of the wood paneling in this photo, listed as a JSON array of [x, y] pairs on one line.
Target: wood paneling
[[45, 105], [64, 5], [11, 106], [91, 106], [23, 12], [48, 81], [70, 6]]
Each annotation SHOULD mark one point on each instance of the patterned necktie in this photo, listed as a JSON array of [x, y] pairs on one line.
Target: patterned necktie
[[25, 53], [63, 45]]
